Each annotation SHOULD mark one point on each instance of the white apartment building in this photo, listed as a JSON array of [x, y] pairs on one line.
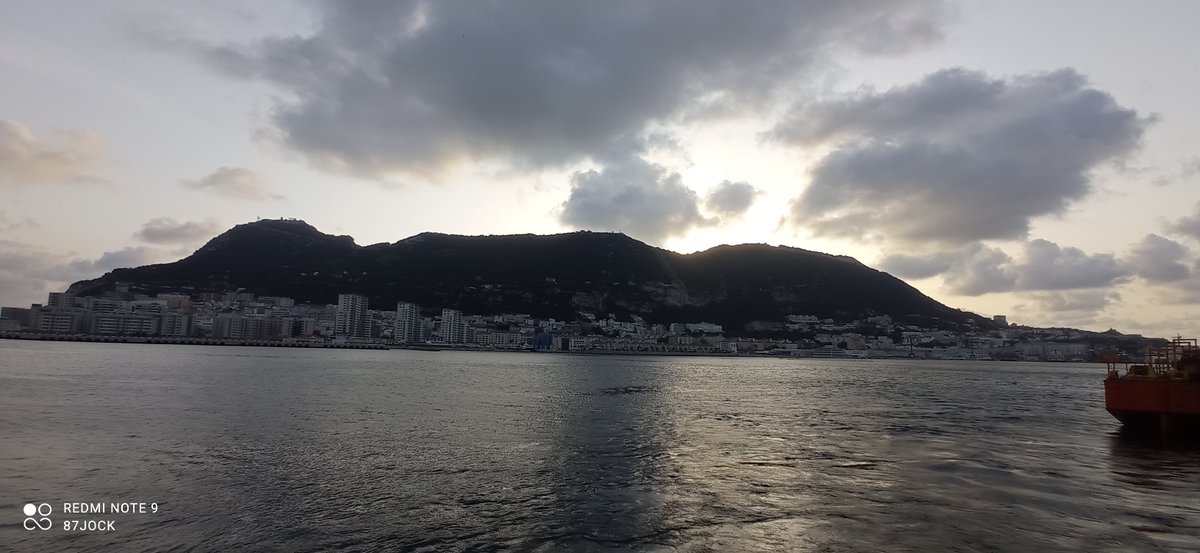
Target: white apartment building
[[409, 326], [453, 330], [351, 320]]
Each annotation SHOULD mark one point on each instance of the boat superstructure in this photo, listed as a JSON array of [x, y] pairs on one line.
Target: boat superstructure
[[1161, 394]]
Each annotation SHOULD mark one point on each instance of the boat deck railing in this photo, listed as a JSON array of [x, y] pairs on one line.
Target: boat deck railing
[[1161, 362]]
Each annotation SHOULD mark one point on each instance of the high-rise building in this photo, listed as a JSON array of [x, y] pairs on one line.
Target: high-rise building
[[60, 299], [452, 326], [408, 323], [352, 318], [176, 324], [229, 325]]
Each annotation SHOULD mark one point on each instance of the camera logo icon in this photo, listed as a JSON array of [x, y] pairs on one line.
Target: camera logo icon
[[43, 510]]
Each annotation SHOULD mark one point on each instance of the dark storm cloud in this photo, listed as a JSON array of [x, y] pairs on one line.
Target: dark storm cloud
[[635, 197], [917, 266], [956, 157], [1078, 301], [1187, 226], [22, 273], [977, 269], [165, 230], [980, 270], [1159, 260], [132, 256], [971, 270], [1168, 263], [28, 272], [730, 199], [1048, 266], [411, 87], [1072, 308]]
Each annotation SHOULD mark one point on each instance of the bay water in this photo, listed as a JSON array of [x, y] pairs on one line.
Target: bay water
[[279, 449]]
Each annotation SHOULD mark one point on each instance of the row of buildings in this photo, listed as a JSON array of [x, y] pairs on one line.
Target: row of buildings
[[243, 316], [240, 316]]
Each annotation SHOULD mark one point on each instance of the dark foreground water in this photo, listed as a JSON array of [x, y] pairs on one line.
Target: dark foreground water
[[303, 450]]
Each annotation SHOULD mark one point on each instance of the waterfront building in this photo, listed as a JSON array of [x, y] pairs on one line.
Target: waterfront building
[[452, 326], [18, 315], [176, 324], [60, 299], [299, 327], [409, 326], [59, 320], [228, 326], [351, 320], [263, 328], [125, 324]]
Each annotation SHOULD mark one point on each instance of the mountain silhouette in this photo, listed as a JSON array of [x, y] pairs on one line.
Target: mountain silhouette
[[553, 276]]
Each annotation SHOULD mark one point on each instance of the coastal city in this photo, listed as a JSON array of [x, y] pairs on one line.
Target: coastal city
[[240, 318]]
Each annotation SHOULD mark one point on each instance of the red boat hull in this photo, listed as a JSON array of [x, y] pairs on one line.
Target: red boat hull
[[1154, 403]]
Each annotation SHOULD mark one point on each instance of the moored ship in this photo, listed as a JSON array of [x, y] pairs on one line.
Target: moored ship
[[1163, 394]]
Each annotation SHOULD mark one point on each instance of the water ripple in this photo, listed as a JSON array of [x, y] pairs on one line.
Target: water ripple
[[251, 449]]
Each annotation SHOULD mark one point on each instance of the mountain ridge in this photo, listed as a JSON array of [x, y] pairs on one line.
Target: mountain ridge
[[558, 275]]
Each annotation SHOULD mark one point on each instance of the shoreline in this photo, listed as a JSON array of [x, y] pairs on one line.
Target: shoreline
[[179, 340], [176, 340]]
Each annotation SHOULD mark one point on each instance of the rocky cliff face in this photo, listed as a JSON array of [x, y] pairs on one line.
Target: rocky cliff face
[[550, 276]]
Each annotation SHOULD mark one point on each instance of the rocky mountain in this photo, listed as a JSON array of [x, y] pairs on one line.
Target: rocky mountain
[[556, 276]]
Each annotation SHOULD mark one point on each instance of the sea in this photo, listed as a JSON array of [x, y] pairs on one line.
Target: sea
[[134, 447]]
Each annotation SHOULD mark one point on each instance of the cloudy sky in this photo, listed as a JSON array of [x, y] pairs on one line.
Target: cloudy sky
[[1028, 158]]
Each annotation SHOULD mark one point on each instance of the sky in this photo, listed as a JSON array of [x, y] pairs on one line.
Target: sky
[[1034, 159]]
